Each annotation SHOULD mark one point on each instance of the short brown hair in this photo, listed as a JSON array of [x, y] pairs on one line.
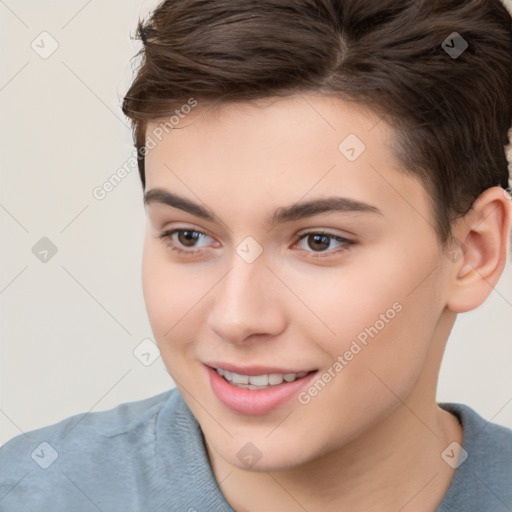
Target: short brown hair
[[451, 113]]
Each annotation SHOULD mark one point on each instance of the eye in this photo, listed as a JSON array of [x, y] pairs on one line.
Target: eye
[[319, 240], [187, 238]]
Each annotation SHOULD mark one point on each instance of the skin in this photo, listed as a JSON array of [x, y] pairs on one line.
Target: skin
[[372, 438]]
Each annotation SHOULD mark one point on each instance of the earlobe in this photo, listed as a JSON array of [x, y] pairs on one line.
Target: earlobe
[[485, 233]]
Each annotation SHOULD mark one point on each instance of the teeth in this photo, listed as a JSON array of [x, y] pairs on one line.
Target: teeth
[[240, 379], [275, 378], [259, 381]]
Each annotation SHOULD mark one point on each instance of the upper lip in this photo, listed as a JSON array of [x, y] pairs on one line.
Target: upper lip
[[254, 370]]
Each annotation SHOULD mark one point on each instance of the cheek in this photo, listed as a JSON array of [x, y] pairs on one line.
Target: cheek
[[169, 293], [336, 305], [373, 317], [177, 298]]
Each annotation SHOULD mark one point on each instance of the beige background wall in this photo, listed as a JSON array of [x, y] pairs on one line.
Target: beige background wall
[[69, 326]]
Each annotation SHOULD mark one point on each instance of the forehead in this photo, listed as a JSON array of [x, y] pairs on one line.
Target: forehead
[[277, 151], [300, 115], [270, 134]]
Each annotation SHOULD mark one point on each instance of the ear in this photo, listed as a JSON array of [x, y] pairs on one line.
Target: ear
[[483, 236]]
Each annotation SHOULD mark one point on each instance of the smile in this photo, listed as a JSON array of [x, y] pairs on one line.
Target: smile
[[258, 393], [264, 381]]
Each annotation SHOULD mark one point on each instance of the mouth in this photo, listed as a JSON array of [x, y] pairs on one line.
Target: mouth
[[256, 390], [262, 381]]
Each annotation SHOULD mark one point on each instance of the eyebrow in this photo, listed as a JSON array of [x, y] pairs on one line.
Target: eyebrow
[[281, 215]]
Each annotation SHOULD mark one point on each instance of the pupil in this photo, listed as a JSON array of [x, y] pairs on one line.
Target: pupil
[[319, 238], [185, 236]]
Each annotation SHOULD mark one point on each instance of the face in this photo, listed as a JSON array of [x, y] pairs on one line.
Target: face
[[256, 282]]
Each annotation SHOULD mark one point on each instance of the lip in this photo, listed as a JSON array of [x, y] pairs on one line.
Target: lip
[[252, 402], [254, 370]]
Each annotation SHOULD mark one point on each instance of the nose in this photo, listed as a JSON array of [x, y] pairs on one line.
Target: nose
[[246, 304]]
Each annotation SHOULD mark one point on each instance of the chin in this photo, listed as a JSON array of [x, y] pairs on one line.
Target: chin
[[247, 453], [274, 462]]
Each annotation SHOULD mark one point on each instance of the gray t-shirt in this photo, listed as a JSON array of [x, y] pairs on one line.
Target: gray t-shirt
[[149, 456]]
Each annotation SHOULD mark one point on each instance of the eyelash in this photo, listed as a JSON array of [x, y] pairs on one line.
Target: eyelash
[[166, 237]]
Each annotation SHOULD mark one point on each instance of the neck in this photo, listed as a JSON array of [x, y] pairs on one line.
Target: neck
[[394, 465]]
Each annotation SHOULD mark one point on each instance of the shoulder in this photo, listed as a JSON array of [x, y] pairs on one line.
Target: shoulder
[[483, 481], [490, 443], [88, 449], [121, 419]]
